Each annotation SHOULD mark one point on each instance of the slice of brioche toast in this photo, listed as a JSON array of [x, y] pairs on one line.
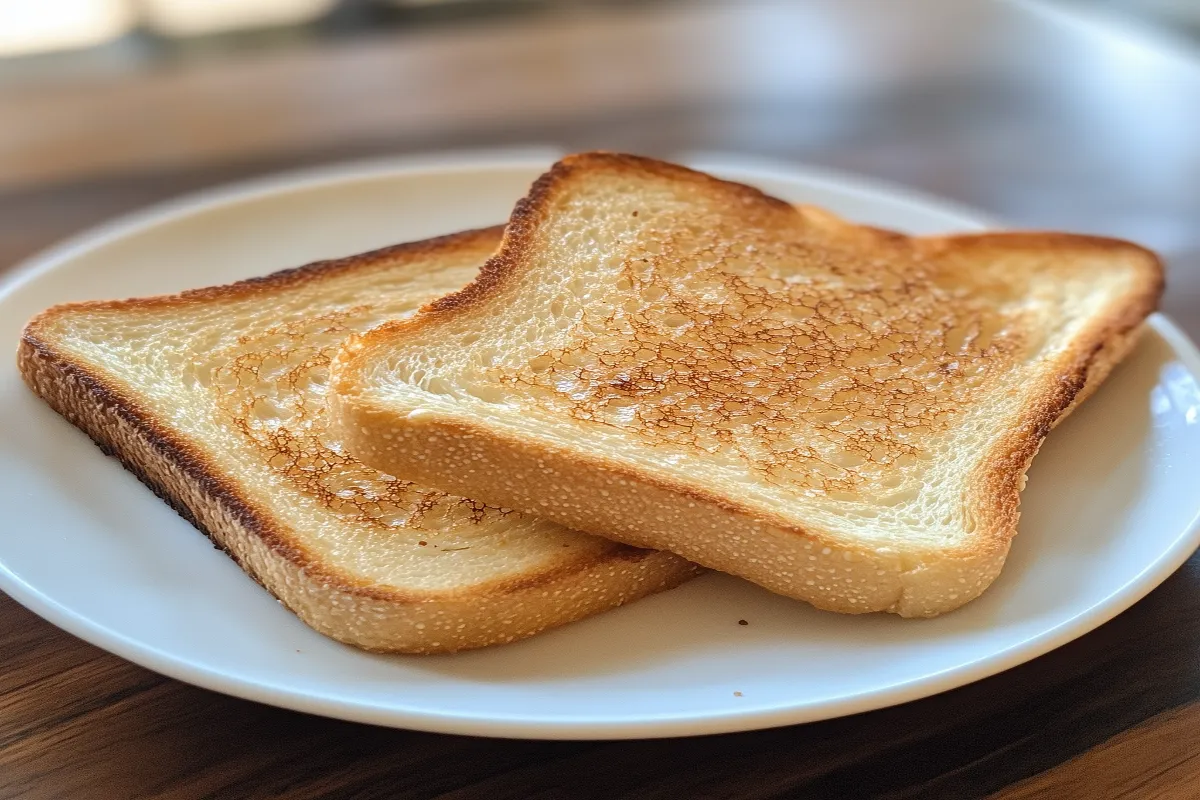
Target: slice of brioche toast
[[842, 414], [216, 400]]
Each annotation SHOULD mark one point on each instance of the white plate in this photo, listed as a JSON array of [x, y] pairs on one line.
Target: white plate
[[1111, 510]]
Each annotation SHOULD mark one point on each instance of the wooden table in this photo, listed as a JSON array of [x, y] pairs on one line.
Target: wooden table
[[1043, 120]]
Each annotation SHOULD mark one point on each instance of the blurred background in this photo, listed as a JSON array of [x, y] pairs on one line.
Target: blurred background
[[137, 30], [1073, 114]]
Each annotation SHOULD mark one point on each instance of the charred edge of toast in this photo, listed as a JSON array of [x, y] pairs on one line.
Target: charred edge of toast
[[52, 375], [1005, 465], [39, 362], [89, 403]]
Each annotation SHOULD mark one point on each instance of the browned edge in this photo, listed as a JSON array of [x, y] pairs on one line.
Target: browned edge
[[1078, 372], [1007, 464], [38, 353]]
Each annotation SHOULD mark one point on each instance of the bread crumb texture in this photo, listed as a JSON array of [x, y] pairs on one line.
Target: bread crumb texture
[[840, 413], [217, 400]]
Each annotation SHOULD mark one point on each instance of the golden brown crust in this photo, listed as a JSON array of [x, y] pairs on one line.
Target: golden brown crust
[[602, 496], [1079, 373], [350, 608], [613, 499], [529, 210]]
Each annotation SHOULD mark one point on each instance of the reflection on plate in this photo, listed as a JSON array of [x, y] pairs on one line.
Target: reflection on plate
[[1110, 511]]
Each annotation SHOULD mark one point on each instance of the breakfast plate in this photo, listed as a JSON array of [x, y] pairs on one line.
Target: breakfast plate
[[1111, 508]]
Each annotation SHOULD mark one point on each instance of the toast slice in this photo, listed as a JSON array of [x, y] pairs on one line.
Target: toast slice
[[841, 414], [216, 400]]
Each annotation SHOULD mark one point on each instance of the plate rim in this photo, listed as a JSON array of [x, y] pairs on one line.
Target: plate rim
[[493, 724]]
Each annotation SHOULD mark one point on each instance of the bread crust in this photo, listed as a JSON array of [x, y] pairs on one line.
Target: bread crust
[[331, 600], [609, 498]]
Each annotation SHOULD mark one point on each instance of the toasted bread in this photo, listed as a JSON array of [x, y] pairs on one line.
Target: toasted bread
[[215, 399], [841, 414]]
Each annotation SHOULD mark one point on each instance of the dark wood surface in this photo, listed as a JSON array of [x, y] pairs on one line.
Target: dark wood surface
[[1044, 122]]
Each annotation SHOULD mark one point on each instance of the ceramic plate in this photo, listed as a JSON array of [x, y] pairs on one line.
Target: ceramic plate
[[1110, 511]]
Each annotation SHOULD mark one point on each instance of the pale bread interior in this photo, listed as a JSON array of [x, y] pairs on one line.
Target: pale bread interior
[[814, 370], [240, 375], [876, 393]]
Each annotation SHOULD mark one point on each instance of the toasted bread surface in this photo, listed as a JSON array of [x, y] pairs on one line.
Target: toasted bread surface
[[842, 414], [216, 399]]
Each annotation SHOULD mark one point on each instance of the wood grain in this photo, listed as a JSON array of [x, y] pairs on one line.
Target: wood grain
[[77, 722], [979, 102], [1157, 760]]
